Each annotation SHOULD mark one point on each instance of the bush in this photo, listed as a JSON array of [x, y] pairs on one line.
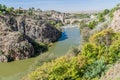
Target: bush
[[62, 68], [101, 17], [114, 50], [106, 11], [104, 37], [39, 47], [95, 69], [107, 42], [92, 24], [1, 52], [56, 24], [90, 50]]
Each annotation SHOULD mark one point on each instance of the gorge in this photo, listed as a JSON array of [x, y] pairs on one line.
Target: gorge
[[47, 44]]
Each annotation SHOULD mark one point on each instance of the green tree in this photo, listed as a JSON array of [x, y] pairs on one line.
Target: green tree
[[4, 7], [30, 12], [106, 11], [10, 9], [92, 24]]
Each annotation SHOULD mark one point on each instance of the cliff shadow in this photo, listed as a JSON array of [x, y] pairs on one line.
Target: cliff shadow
[[38, 48], [63, 37]]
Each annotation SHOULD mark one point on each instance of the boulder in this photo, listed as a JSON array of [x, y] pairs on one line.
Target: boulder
[[3, 58]]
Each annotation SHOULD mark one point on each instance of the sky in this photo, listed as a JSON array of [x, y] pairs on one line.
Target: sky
[[62, 5]]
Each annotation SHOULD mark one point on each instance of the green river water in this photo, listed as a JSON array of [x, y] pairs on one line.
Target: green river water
[[13, 70]]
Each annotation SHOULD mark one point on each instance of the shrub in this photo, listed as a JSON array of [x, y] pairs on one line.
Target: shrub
[[95, 69], [89, 50], [108, 44], [1, 52], [62, 68], [92, 24], [56, 24], [106, 11], [39, 47], [101, 17], [114, 50], [104, 37]]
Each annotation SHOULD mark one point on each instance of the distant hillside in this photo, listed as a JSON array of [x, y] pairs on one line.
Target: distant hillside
[[85, 12]]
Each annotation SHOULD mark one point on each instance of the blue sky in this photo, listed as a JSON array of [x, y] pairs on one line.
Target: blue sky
[[62, 5]]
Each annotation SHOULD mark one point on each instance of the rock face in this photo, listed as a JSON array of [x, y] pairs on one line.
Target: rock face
[[116, 21], [113, 73], [13, 45], [17, 34], [35, 30]]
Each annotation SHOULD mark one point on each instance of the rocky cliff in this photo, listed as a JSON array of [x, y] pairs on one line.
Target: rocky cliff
[[115, 25], [17, 34], [34, 29]]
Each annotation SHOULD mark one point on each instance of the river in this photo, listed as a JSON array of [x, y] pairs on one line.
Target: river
[[70, 38]]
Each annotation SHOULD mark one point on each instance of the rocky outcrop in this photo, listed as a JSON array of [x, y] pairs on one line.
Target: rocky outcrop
[[113, 73], [18, 33], [35, 29], [42, 32], [14, 46], [115, 25], [3, 58]]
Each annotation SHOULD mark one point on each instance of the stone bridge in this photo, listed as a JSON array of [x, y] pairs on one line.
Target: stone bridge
[[72, 20], [69, 26]]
